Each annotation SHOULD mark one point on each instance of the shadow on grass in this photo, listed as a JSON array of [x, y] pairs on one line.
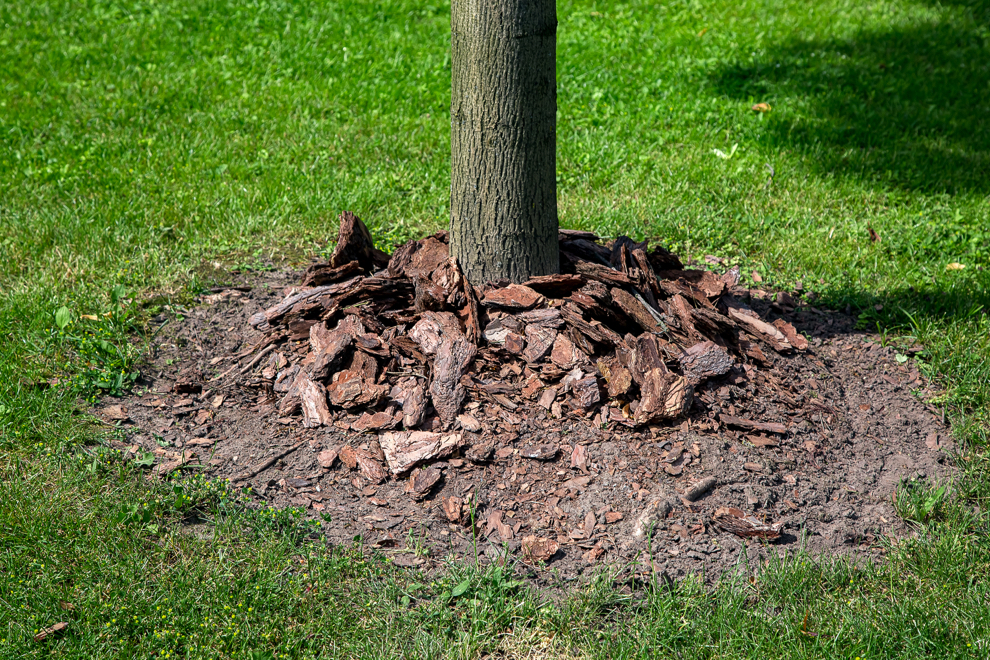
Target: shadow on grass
[[907, 109]]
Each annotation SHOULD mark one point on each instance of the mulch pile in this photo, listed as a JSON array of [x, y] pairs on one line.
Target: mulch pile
[[406, 346], [626, 405]]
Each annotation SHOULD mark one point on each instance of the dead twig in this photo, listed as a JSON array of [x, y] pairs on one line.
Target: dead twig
[[264, 465], [257, 358]]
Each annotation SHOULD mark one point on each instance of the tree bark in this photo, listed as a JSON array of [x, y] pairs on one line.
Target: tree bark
[[503, 206]]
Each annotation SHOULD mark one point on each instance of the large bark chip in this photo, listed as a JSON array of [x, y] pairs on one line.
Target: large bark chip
[[314, 403], [401, 259], [556, 286], [345, 389], [646, 357], [292, 401], [682, 308], [448, 277], [330, 347], [586, 392], [427, 258], [354, 243], [664, 396], [565, 354], [364, 364], [421, 482], [703, 282], [602, 274], [539, 342], [751, 320], [355, 458], [473, 322], [429, 295], [794, 338], [536, 550], [513, 296], [405, 450], [352, 325], [452, 360], [747, 345], [705, 360], [736, 521], [618, 377], [662, 259], [430, 331], [636, 310], [514, 343], [324, 273], [410, 393]]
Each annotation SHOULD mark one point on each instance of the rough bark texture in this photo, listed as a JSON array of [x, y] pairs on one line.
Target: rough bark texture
[[356, 245], [503, 218]]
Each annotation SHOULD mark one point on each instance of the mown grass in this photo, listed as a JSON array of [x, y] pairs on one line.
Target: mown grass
[[155, 144]]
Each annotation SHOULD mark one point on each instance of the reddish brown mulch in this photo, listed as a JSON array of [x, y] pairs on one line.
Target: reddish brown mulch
[[570, 418]]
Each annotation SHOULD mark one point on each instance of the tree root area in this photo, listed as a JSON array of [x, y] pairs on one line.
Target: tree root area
[[628, 409]]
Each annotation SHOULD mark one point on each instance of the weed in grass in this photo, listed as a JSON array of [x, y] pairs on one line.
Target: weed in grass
[[99, 356], [416, 542], [919, 502], [291, 523]]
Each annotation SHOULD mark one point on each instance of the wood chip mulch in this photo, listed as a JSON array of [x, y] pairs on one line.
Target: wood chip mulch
[[627, 404], [406, 346]]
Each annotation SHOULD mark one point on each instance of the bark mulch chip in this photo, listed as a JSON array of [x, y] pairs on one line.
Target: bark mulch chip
[[628, 405]]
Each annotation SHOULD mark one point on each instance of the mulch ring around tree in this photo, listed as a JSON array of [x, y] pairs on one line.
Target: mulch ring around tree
[[628, 407]]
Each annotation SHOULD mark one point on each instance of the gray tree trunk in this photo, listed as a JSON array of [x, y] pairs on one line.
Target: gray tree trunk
[[503, 193]]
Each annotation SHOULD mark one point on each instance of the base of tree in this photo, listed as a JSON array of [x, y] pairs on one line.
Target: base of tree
[[624, 335], [569, 418]]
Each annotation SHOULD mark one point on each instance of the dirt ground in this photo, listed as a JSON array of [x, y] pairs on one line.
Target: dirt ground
[[854, 417]]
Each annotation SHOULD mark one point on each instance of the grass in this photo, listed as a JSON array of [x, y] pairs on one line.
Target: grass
[[148, 147]]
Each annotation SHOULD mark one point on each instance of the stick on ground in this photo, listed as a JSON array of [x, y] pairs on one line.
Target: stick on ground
[[264, 465], [257, 358]]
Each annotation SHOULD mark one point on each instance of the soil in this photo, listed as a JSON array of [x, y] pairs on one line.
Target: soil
[[854, 425]]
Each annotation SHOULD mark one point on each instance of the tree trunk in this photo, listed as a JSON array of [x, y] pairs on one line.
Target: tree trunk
[[503, 193]]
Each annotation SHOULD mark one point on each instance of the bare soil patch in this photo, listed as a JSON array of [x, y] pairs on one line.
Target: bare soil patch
[[800, 448]]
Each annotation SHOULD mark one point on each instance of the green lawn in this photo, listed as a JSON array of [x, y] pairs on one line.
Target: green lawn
[[148, 147]]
